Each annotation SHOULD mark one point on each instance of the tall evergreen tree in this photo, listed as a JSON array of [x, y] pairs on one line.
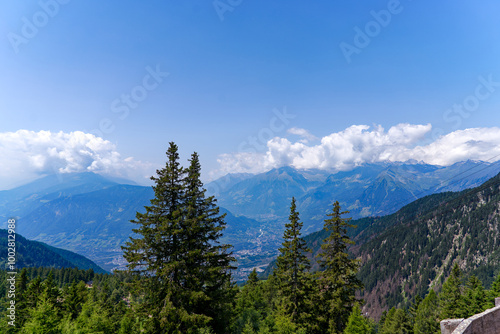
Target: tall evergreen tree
[[338, 281], [397, 321], [476, 298], [357, 324], [451, 301], [207, 272], [183, 270], [426, 315], [292, 271]]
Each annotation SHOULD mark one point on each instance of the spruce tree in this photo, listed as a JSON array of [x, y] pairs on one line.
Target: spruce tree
[[426, 315], [476, 298], [357, 324], [207, 272], [451, 301], [292, 271], [183, 270], [338, 280], [396, 322]]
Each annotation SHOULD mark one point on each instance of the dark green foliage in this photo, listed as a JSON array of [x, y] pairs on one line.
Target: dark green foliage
[[337, 282], [397, 321], [253, 305], [184, 270], [426, 316], [476, 298], [357, 324], [451, 302], [294, 282]]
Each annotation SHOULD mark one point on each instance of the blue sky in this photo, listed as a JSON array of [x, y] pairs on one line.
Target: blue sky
[[231, 65]]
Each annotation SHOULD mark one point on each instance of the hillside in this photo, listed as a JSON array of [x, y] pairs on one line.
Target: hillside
[[418, 252], [37, 254], [407, 253]]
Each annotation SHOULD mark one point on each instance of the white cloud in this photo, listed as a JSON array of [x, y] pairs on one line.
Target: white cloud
[[303, 133], [28, 155], [361, 144]]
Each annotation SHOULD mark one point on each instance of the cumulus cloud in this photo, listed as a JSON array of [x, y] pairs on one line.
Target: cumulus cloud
[[303, 133], [28, 155], [360, 144]]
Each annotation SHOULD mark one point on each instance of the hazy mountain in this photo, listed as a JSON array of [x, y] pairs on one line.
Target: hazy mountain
[[89, 214], [368, 190], [37, 254]]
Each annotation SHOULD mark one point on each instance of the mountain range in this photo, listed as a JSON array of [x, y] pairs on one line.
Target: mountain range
[[368, 190], [89, 214]]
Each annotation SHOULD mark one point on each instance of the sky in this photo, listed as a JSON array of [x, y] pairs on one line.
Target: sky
[[104, 86]]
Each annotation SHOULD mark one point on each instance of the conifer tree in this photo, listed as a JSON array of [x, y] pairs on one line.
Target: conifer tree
[[43, 319], [396, 322], [476, 299], [207, 271], [183, 270], [426, 315], [451, 301], [357, 324], [495, 287], [292, 271], [74, 299], [338, 281]]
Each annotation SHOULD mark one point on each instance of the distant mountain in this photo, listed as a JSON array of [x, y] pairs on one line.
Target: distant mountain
[[37, 254], [266, 196], [21, 200], [368, 190], [89, 214]]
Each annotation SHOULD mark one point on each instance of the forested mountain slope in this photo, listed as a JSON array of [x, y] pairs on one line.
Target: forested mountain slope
[[37, 254], [418, 252]]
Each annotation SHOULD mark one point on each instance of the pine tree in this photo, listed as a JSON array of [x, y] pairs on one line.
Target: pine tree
[[251, 305], [338, 281], [396, 322], [357, 324], [207, 271], [74, 298], [495, 287], [451, 301], [43, 319], [183, 270], [476, 299], [426, 315], [292, 272]]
